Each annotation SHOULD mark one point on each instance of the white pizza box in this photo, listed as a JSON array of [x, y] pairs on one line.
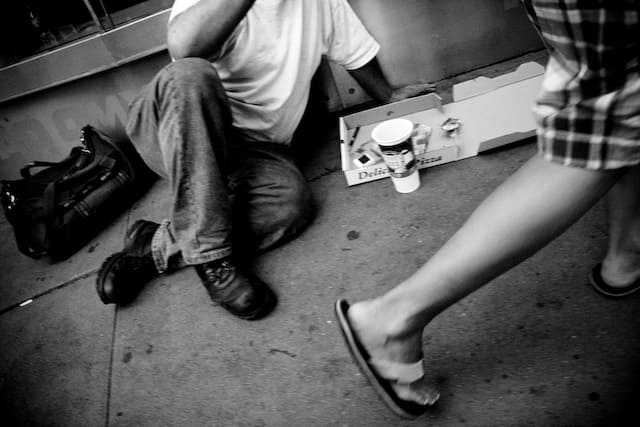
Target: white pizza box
[[492, 112]]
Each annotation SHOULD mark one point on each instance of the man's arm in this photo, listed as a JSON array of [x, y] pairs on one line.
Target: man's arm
[[373, 81], [202, 29]]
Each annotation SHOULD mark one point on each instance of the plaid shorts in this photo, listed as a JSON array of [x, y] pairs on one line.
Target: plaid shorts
[[588, 111]]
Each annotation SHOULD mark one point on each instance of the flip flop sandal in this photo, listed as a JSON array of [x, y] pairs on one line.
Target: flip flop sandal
[[596, 280], [381, 374]]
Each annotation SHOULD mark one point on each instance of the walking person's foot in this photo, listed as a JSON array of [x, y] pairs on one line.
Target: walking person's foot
[[393, 365], [617, 276], [408, 349]]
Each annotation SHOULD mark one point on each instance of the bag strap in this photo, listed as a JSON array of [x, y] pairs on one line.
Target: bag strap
[[77, 158], [25, 171], [88, 132], [107, 156], [87, 173]]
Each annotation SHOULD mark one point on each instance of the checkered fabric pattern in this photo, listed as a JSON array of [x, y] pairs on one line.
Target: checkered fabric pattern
[[588, 111]]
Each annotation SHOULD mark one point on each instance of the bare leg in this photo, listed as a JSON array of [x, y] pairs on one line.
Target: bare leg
[[526, 212], [621, 265]]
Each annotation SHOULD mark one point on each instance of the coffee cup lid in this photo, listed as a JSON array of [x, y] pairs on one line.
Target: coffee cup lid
[[391, 132]]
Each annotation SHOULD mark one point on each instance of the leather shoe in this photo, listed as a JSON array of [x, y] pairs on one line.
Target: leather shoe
[[239, 292], [123, 274]]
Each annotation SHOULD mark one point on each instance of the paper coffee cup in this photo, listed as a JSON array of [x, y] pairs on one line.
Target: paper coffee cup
[[394, 139]]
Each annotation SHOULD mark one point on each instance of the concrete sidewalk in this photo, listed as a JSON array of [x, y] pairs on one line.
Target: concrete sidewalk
[[536, 347]]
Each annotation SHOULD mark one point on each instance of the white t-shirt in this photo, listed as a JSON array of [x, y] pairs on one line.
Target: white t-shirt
[[267, 63]]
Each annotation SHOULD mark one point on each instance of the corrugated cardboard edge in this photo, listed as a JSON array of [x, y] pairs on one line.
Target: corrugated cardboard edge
[[392, 111], [481, 85], [344, 149]]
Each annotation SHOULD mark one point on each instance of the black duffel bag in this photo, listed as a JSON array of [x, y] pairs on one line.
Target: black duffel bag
[[58, 209]]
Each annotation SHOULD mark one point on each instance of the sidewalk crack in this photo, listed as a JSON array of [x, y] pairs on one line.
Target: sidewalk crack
[[110, 373], [50, 290]]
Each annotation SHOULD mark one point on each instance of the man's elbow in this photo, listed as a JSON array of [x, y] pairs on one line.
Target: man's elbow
[[182, 48], [178, 47], [177, 51]]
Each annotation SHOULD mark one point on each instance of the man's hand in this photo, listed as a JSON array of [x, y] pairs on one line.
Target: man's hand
[[410, 91], [374, 82]]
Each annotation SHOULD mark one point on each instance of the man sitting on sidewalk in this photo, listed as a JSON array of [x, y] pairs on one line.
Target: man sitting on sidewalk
[[219, 129]]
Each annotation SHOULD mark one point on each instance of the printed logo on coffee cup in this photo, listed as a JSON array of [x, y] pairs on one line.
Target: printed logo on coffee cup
[[399, 159]]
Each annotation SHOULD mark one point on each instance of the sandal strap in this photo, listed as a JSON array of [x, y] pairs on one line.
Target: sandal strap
[[403, 373]]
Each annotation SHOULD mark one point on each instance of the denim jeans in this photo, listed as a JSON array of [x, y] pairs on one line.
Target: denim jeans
[[227, 195]]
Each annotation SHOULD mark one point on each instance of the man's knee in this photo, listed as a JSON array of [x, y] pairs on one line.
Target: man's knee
[[189, 73], [184, 82], [286, 213], [297, 208]]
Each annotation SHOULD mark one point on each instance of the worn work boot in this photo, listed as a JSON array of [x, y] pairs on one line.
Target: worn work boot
[[123, 275], [241, 293]]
